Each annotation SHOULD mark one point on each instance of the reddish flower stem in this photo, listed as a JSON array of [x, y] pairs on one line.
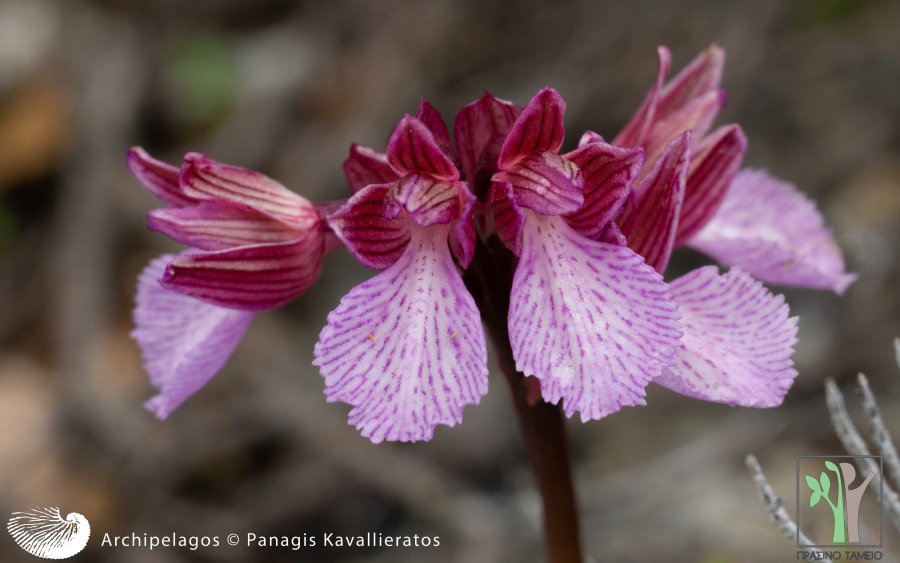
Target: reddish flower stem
[[543, 427]]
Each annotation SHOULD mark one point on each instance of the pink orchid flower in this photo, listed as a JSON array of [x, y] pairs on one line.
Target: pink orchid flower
[[738, 337], [406, 348], [254, 245], [590, 233], [746, 219], [588, 318]]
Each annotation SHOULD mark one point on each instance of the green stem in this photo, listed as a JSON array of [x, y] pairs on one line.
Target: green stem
[[543, 426]]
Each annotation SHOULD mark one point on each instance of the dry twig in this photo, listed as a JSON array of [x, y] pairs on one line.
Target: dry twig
[[880, 434], [855, 445], [777, 514]]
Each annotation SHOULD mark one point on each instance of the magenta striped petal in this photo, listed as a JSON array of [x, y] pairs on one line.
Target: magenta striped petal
[[699, 77], [363, 226], [509, 218], [608, 172], [613, 235], [159, 178], [538, 129], [589, 137], [696, 117], [650, 218], [406, 348], [432, 119], [365, 166], [205, 179], [713, 166], [210, 226], [771, 230], [589, 319], [545, 182], [184, 342], [477, 124], [256, 277], [738, 340], [427, 200], [637, 128], [690, 101], [462, 236], [412, 148]]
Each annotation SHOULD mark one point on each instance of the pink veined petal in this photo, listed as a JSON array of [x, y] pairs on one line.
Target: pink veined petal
[[326, 208], [256, 277], [477, 124], [650, 218], [738, 340], [406, 348], [487, 167], [635, 131], [427, 200], [613, 235], [589, 137], [509, 218], [160, 178], [696, 116], [432, 119], [713, 166], [690, 101], [545, 182], [770, 229], [412, 148], [538, 129], [462, 235], [206, 179], [184, 342], [365, 166], [699, 77], [363, 226], [608, 172], [589, 319], [210, 226]]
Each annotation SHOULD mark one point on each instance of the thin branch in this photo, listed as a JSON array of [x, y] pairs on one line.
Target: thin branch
[[855, 445], [880, 434], [775, 507]]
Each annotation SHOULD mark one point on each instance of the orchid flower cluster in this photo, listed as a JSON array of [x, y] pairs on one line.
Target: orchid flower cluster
[[591, 318]]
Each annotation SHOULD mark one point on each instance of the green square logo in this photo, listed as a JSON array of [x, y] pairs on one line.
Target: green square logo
[[838, 501]]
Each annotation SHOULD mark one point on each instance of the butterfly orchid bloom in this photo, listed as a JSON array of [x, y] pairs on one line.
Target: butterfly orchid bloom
[[406, 348], [588, 318], [747, 219], [254, 245], [738, 337], [590, 233]]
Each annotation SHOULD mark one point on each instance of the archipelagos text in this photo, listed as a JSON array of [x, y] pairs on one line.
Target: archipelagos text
[[254, 540]]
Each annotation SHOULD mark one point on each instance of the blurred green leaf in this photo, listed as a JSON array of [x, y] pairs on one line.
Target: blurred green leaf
[[199, 74], [815, 13]]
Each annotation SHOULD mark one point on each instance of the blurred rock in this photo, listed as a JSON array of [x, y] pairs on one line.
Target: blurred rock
[[35, 129]]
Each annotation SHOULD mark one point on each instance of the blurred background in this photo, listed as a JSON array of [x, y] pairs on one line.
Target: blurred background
[[284, 87]]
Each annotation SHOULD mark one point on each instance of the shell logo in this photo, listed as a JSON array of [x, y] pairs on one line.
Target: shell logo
[[43, 532]]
